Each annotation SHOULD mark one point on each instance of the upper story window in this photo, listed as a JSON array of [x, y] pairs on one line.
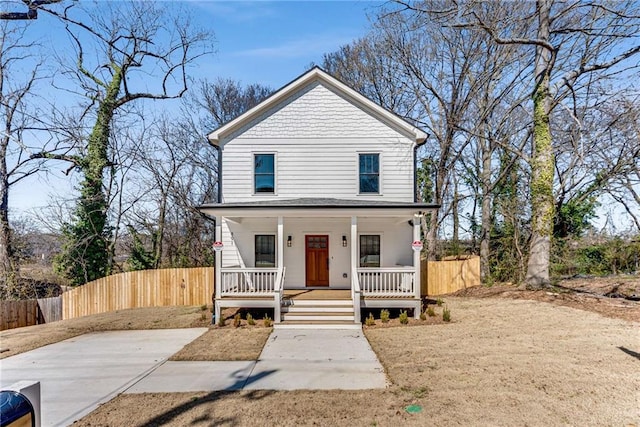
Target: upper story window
[[369, 167], [263, 173]]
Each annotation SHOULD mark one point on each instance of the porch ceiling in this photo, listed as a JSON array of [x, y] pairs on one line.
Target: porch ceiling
[[316, 207]]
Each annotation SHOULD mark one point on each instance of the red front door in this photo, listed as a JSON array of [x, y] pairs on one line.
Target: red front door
[[317, 260]]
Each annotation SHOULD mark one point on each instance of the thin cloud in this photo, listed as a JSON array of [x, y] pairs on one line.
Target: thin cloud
[[299, 47]]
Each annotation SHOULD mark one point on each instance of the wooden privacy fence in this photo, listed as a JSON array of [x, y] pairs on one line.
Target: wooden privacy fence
[[18, 314], [51, 309], [135, 289], [444, 277]]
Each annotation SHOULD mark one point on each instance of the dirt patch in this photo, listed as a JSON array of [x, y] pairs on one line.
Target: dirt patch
[[500, 362], [585, 294], [19, 340], [226, 344]]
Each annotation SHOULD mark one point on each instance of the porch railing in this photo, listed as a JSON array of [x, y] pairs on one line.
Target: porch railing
[[387, 282], [277, 296], [249, 281]]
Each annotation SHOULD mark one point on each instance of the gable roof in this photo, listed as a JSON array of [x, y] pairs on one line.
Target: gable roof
[[316, 74]]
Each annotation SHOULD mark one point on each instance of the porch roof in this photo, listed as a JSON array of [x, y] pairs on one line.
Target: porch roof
[[311, 206]]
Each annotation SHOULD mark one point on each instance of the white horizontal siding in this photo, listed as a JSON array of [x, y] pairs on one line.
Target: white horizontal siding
[[317, 168], [317, 135]]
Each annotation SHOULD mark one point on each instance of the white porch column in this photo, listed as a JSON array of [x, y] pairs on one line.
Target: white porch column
[[277, 300], [417, 219], [355, 286], [280, 249], [218, 271]]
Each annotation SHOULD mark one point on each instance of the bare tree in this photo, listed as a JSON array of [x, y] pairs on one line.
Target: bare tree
[[20, 71], [117, 45]]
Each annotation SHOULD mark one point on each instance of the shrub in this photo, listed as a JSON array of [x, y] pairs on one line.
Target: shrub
[[423, 315], [384, 315], [370, 321], [221, 321], [203, 307], [439, 302], [446, 314], [404, 317], [250, 320], [431, 312], [267, 321], [237, 320]]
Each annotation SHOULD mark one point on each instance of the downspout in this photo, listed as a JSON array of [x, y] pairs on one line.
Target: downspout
[[219, 149]]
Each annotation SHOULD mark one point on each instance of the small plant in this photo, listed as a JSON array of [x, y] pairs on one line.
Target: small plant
[[370, 321], [203, 307], [404, 317], [446, 314], [423, 315], [203, 316], [384, 315], [221, 321], [267, 321], [250, 320], [439, 302], [237, 320], [431, 312]]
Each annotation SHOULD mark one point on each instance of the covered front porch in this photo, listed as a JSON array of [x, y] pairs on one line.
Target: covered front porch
[[320, 255]]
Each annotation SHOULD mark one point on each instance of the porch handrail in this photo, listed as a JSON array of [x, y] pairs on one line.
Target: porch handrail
[[355, 295], [249, 281], [387, 281], [279, 293]]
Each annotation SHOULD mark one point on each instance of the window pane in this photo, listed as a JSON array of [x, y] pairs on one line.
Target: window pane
[[264, 173], [369, 251], [265, 250], [264, 184], [264, 163], [368, 183], [369, 168]]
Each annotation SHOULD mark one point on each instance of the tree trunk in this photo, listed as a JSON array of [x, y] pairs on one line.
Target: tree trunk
[[485, 221], [542, 171], [431, 236], [7, 267]]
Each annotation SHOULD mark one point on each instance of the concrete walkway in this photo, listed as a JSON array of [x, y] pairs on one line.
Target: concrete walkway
[[78, 374], [292, 359]]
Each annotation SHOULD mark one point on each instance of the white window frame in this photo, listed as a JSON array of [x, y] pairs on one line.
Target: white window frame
[[380, 171], [371, 233], [275, 249], [253, 173]]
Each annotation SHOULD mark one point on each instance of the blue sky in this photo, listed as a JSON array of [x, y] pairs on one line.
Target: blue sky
[[266, 42]]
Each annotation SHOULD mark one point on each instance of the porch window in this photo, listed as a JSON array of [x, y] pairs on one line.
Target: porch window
[[265, 250], [370, 250], [263, 173], [369, 173]]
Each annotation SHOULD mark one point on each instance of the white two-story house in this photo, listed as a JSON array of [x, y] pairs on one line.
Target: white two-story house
[[317, 215]]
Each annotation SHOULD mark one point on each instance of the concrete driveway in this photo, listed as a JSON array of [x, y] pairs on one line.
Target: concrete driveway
[[78, 374]]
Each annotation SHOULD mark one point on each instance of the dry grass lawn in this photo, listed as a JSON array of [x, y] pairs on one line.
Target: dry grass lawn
[[15, 341], [225, 344], [501, 362]]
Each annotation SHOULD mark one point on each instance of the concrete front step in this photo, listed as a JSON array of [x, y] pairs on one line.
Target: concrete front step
[[319, 324]]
